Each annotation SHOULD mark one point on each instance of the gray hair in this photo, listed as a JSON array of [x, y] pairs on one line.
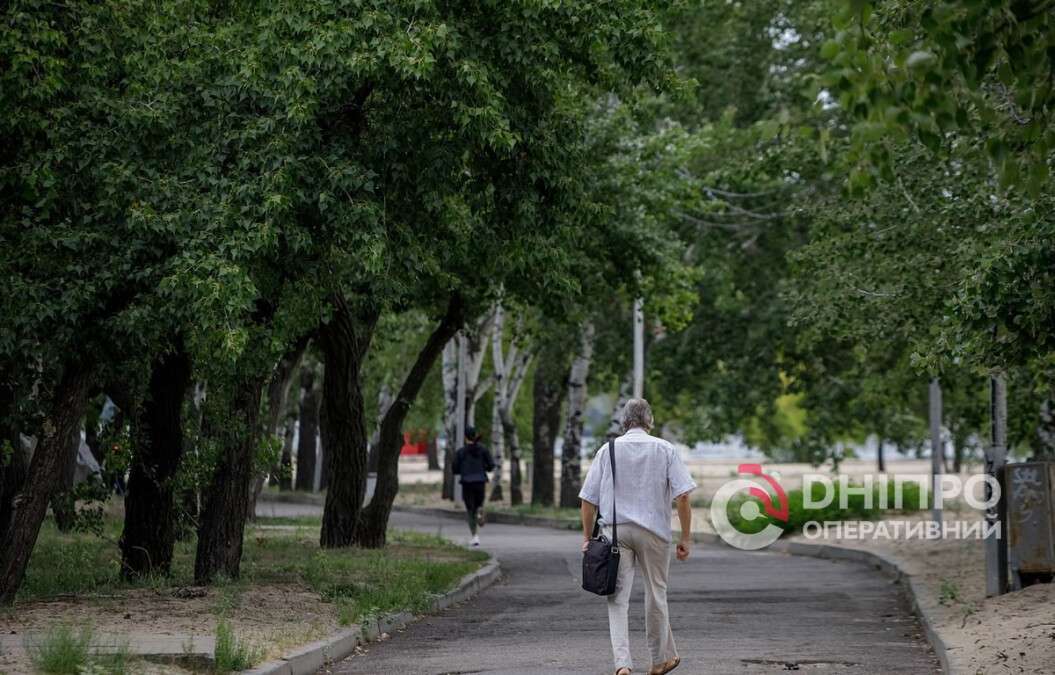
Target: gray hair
[[637, 413]]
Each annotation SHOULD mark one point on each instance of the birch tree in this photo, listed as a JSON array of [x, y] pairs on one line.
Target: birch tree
[[450, 408], [571, 456], [509, 369]]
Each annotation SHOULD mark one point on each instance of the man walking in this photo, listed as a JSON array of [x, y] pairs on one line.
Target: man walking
[[650, 475]]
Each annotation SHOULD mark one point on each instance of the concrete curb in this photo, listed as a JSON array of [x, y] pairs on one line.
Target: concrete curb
[[881, 563], [311, 657]]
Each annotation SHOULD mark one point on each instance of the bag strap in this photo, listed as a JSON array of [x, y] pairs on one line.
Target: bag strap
[[597, 518], [611, 455]]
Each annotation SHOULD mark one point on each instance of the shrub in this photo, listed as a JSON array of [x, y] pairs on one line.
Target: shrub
[[232, 654], [855, 509], [63, 651]]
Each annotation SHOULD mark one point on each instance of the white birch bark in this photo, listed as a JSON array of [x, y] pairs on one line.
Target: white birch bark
[[615, 426], [498, 378], [450, 411], [477, 342], [937, 450], [571, 455]]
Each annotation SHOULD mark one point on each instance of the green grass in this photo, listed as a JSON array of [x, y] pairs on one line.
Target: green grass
[[66, 650], [62, 651], [403, 576], [120, 662], [232, 654], [948, 592], [560, 513]]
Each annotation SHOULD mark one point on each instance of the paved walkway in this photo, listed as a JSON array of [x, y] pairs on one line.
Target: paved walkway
[[732, 612]]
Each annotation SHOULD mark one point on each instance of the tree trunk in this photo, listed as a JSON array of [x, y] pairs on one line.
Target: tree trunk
[[49, 460], [222, 525], [959, 445], [344, 341], [91, 428], [374, 522], [63, 506], [194, 429], [499, 367], [512, 439], [432, 453], [307, 442], [571, 456], [384, 400], [150, 504], [509, 428], [1046, 431], [285, 481], [277, 395], [13, 471], [450, 408], [937, 450], [324, 457], [551, 380], [615, 425], [497, 451], [477, 341], [880, 458]]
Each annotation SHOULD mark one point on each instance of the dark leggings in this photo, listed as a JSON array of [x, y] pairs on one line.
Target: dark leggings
[[473, 496]]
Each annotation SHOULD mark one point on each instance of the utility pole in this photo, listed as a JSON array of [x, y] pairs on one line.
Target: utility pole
[[937, 450], [639, 348], [996, 515], [460, 410]]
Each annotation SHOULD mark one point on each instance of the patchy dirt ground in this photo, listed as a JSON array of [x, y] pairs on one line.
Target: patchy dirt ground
[[271, 618], [290, 593]]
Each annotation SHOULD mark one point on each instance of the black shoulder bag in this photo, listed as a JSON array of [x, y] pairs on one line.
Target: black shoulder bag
[[600, 562]]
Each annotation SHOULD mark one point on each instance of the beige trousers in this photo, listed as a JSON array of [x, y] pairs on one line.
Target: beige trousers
[[641, 549]]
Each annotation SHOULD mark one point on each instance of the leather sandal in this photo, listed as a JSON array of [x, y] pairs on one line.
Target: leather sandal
[[664, 668]]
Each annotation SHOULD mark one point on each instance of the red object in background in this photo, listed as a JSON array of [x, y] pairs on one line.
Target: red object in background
[[412, 447]]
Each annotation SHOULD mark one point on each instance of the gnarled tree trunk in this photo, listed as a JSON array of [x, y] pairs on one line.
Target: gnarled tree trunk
[[571, 456], [45, 470], [374, 523], [150, 503], [222, 524], [344, 342], [14, 469], [308, 434], [62, 504]]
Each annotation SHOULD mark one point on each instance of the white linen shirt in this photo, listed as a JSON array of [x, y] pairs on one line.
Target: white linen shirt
[[650, 474]]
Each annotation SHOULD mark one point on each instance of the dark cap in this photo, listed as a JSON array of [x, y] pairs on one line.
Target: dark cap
[[470, 433]]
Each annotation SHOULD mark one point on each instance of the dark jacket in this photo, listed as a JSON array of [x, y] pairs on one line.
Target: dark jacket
[[472, 462]]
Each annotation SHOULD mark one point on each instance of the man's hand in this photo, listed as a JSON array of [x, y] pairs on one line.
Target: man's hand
[[585, 543], [684, 546]]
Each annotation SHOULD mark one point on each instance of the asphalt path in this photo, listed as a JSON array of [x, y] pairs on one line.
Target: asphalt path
[[731, 611]]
